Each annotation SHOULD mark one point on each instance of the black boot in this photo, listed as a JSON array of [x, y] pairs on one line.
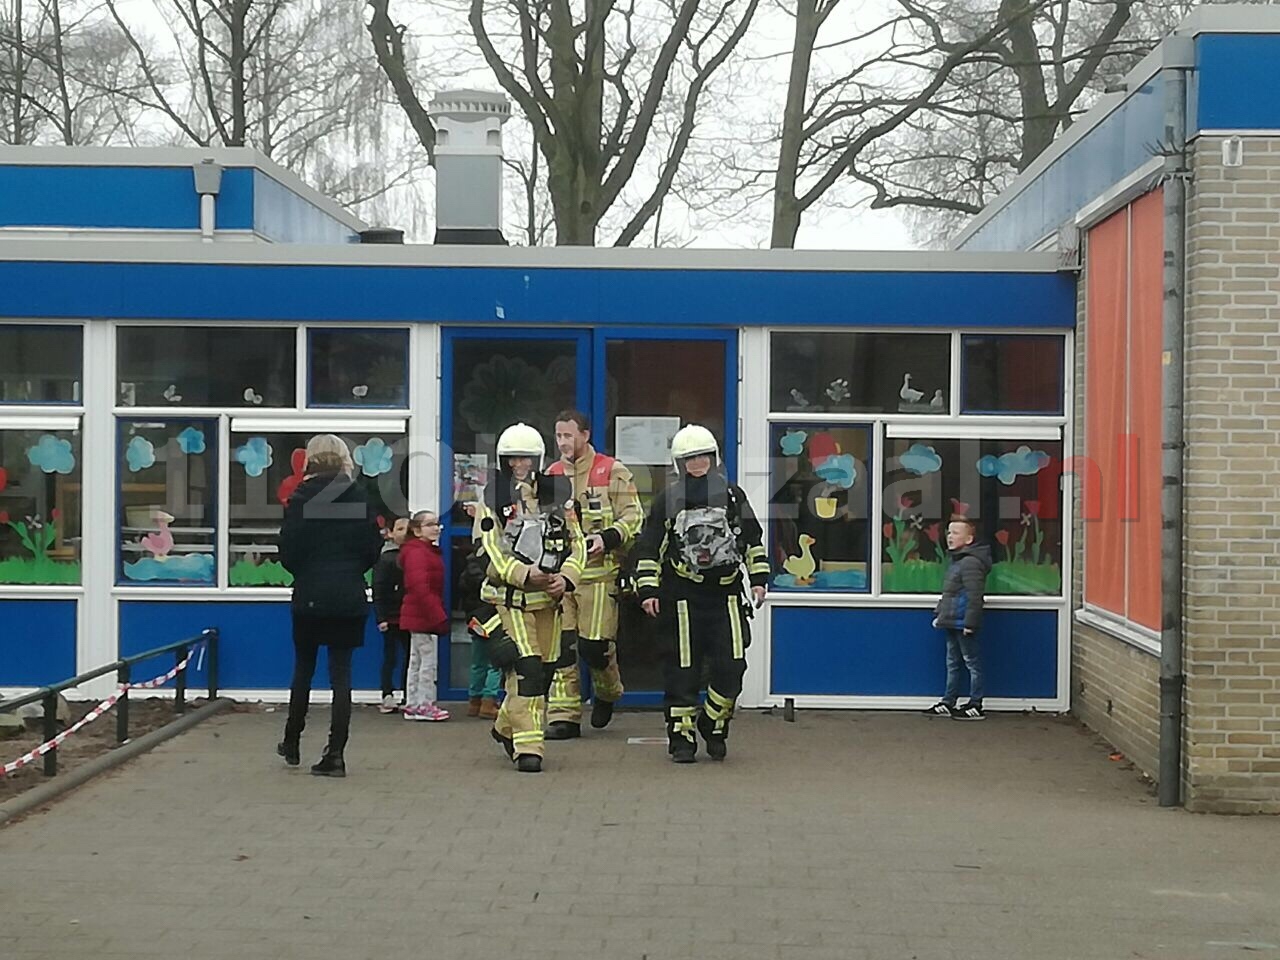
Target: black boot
[[529, 763], [564, 730], [289, 750], [717, 743], [330, 765], [684, 752], [601, 713], [505, 742]]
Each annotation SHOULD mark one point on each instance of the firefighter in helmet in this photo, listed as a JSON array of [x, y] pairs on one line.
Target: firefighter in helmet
[[700, 537], [529, 533], [609, 510]]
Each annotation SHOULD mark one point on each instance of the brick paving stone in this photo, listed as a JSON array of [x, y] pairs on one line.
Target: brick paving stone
[[857, 836]]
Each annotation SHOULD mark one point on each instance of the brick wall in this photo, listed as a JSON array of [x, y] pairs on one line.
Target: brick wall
[[1114, 685], [1232, 606]]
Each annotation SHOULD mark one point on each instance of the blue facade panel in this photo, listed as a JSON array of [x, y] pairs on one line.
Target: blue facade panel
[[1112, 150], [107, 197], [256, 646], [579, 297], [1237, 81], [37, 642], [282, 216], [840, 651]]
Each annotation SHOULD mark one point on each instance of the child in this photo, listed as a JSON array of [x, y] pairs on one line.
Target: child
[[422, 613], [959, 613], [485, 627], [388, 590]]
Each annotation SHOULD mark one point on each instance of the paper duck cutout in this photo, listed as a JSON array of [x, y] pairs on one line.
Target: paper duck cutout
[[803, 566], [937, 403], [908, 393]]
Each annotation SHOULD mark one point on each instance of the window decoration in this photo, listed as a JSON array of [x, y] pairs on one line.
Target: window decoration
[[167, 495], [266, 469], [206, 366], [40, 493], [359, 368], [1010, 489], [873, 373], [41, 364], [819, 508]]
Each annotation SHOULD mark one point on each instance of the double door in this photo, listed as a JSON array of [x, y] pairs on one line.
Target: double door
[[636, 386]]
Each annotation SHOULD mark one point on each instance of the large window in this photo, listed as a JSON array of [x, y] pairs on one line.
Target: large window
[[264, 469], [876, 373], [1009, 488], [359, 368], [167, 496], [206, 366], [1012, 374], [40, 364], [40, 500], [819, 507]]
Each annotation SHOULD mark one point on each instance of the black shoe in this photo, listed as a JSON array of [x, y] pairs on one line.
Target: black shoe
[[330, 765], [506, 743], [564, 730], [684, 753], [601, 713], [290, 752], [529, 763], [717, 745], [939, 709], [968, 711]]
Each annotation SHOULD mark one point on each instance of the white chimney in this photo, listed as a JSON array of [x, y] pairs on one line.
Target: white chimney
[[469, 165]]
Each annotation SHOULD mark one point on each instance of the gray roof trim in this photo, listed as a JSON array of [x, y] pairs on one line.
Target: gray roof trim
[[55, 156], [1233, 18], [612, 258]]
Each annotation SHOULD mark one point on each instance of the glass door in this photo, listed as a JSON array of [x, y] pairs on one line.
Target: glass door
[[490, 379], [647, 384]]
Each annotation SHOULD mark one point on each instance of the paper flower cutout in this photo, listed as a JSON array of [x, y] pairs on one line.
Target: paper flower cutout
[[1023, 462], [191, 441], [255, 456], [821, 446], [841, 470], [139, 454], [921, 459], [792, 442], [373, 458]]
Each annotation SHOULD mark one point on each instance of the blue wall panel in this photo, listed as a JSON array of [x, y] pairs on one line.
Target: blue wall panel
[[37, 642], [284, 217], [1237, 81], [581, 297], [256, 650], [840, 651], [161, 198]]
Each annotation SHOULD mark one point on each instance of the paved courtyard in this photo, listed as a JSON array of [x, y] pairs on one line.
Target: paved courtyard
[[842, 836]]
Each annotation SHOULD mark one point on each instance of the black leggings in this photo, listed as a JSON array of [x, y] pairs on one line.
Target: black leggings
[[309, 634]]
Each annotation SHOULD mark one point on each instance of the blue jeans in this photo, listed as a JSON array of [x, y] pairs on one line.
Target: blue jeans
[[963, 652]]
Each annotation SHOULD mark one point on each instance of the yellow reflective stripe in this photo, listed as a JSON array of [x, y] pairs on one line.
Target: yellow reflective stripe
[[491, 625], [647, 565], [501, 562], [520, 634], [735, 624], [598, 599], [554, 655], [682, 620], [529, 736]]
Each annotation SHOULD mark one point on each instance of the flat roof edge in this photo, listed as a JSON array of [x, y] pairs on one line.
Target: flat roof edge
[[425, 255], [1227, 18], [62, 156]]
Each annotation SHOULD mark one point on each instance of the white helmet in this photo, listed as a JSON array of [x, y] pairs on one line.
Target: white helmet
[[691, 441], [522, 440]]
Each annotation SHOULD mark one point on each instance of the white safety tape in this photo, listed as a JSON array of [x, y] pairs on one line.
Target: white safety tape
[[93, 715]]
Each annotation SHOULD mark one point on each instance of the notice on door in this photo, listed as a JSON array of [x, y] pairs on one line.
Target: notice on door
[[644, 439]]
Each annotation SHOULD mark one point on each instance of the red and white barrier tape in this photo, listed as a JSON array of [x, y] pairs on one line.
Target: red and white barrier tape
[[94, 714]]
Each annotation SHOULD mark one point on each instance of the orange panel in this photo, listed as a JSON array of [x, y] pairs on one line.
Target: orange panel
[[1146, 292], [1106, 278]]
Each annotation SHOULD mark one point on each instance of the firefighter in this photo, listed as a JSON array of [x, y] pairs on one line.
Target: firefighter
[[610, 515], [700, 535], [531, 538]]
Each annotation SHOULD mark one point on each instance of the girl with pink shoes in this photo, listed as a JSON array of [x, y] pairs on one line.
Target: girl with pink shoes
[[422, 613]]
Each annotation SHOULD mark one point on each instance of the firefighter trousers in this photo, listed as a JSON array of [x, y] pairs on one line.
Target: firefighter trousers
[[589, 624], [705, 635], [536, 634]]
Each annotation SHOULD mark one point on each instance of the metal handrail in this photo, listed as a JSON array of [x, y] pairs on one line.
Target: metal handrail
[[123, 671]]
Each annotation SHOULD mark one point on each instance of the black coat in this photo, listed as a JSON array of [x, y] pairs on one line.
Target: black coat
[[388, 585], [960, 606], [328, 541]]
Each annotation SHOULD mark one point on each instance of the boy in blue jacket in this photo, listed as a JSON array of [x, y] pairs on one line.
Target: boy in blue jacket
[[959, 614]]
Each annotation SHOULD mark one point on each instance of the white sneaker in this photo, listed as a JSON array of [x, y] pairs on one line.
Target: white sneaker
[[388, 704]]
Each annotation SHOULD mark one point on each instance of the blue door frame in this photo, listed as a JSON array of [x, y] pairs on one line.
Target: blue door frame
[[590, 354]]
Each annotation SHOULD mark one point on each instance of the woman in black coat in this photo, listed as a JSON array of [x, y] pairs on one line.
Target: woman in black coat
[[328, 541]]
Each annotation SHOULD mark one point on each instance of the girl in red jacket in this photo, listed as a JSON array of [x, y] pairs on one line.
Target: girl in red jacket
[[422, 613]]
